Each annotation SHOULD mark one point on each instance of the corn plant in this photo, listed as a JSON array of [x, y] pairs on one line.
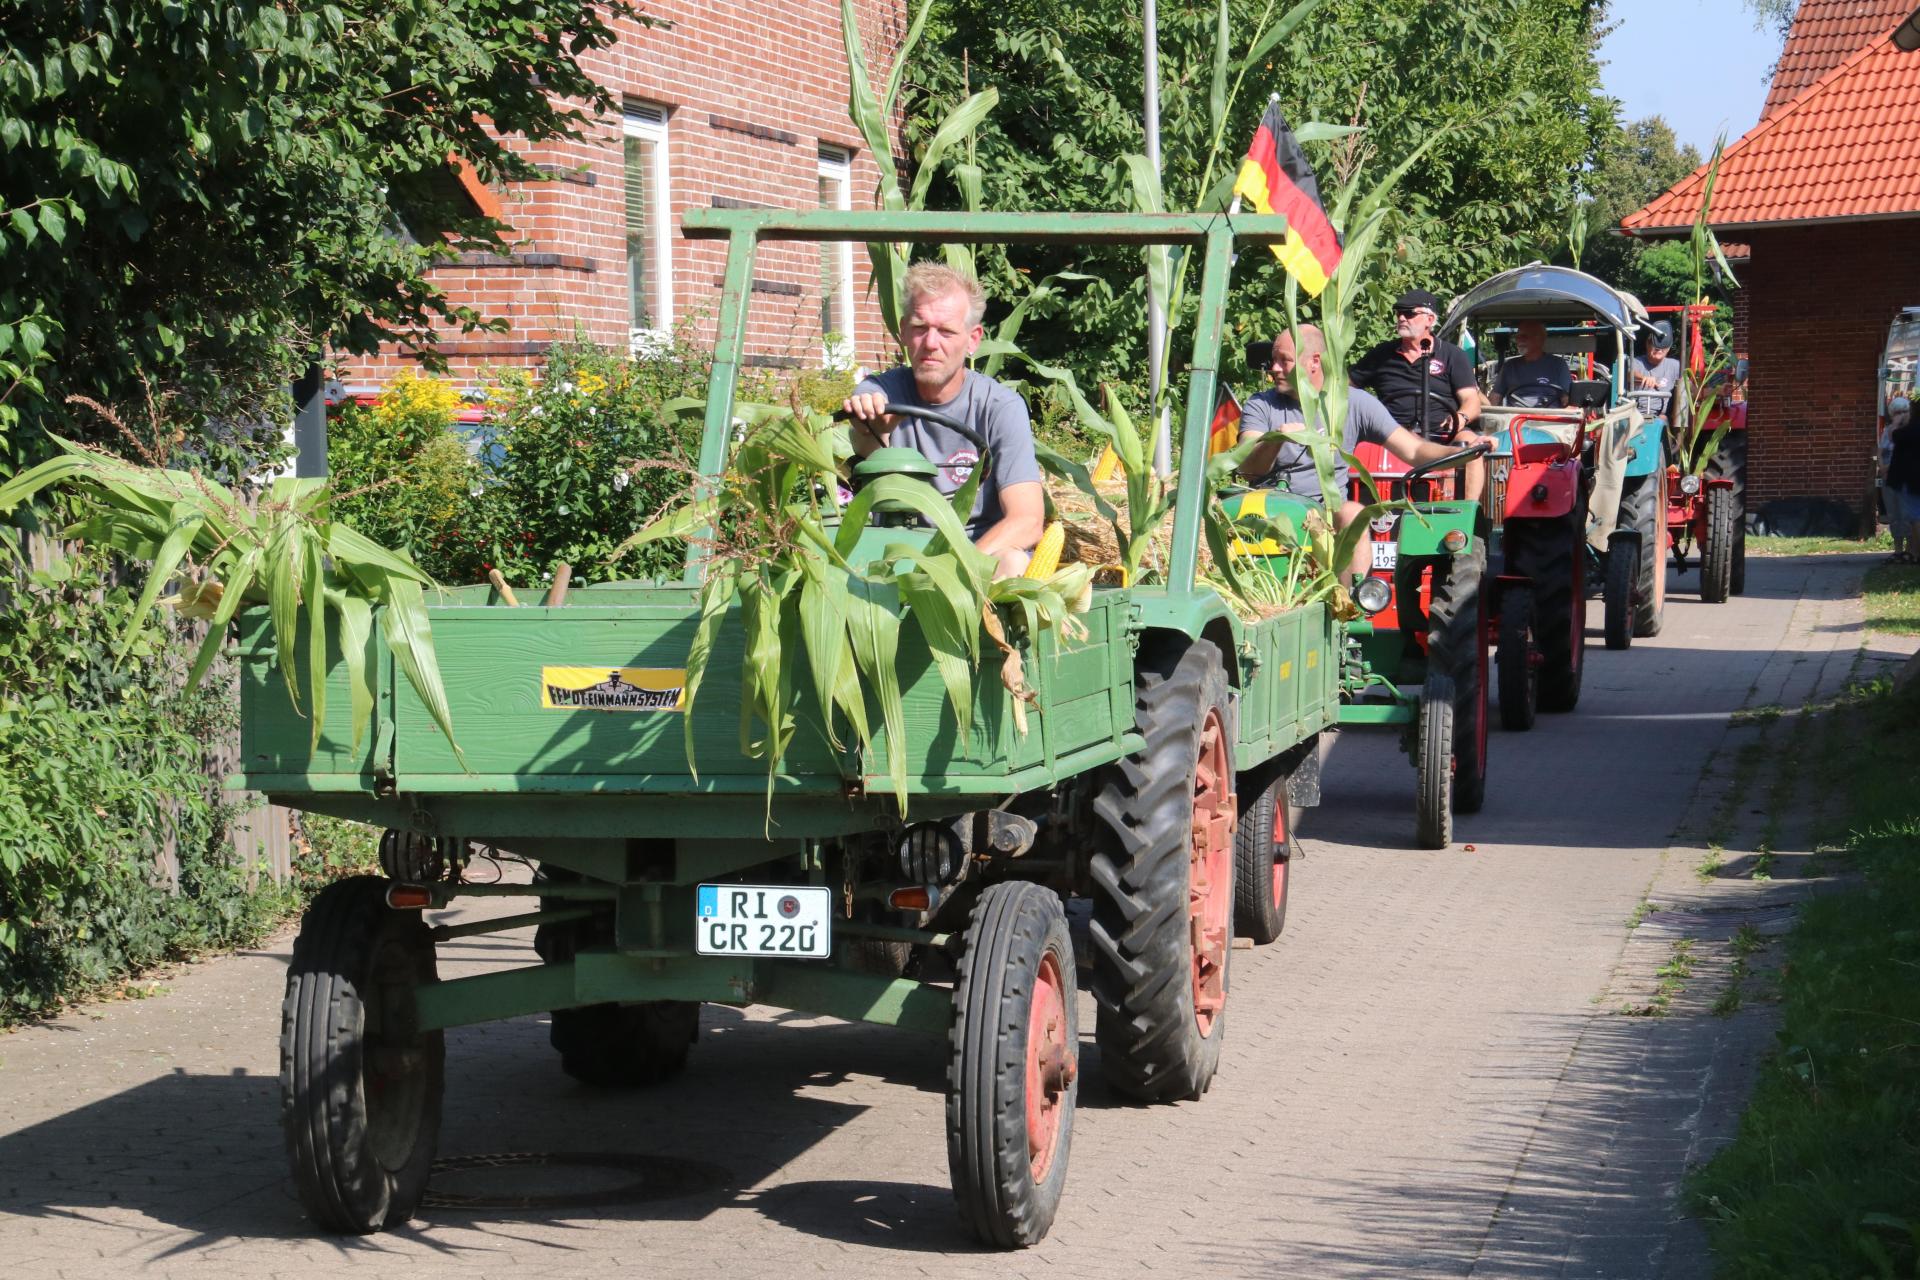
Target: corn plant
[[776, 547], [282, 550], [1703, 252]]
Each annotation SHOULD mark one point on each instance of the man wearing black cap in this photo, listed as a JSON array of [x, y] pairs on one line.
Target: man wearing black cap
[[1427, 385], [1657, 370]]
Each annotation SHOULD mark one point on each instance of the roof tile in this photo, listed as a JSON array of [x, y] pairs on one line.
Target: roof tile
[[1846, 147], [1824, 33]]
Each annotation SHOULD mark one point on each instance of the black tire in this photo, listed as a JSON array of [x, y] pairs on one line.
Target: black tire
[[360, 1086], [1433, 763], [1457, 645], [1016, 951], [1729, 462], [1519, 677], [1263, 854], [1716, 556], [1156, 1042], [1623, 577], [1643, 509], [1552, 556], [625, 1046], [613, 1046]]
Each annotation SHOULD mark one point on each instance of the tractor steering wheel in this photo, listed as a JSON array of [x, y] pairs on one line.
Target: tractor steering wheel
[[1450, 460], [937, 417]]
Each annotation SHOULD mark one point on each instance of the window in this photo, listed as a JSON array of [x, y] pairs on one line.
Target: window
[[649, 246], [836, 260]]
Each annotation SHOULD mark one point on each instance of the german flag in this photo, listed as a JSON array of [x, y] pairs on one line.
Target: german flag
[[1224, 434], [1276, 178]]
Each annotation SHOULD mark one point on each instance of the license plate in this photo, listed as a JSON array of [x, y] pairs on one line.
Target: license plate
[[763, 920], [1386, 555]]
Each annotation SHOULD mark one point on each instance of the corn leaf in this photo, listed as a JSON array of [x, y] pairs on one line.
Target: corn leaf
[[716, 594], [166, 559], [960, 122], [823, 629], [284, 563], [409, 635], [875, 631], [315, 577], [356, 629]]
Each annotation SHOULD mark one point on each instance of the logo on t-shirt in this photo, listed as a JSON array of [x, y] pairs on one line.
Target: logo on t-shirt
[[960, 465], [1436, 367]]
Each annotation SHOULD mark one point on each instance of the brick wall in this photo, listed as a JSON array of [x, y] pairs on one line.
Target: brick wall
[[752, 89], [1819, 301]]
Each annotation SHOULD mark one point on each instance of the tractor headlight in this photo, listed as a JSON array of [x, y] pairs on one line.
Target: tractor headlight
[[1689, 485], [1372, 595], [1454, 542]]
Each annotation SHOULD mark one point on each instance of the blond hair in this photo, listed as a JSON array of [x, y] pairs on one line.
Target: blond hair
[[937, 280]]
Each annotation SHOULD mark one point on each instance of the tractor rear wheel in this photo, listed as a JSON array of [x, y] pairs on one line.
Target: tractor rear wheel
[[1163, 880], [1729, 462], [1263, 853], [1643, 509], [612, 1046], [360, 1084], [1433, 764], [1716, 555], [1519, 677], [1623, 575], [1013, 1064]]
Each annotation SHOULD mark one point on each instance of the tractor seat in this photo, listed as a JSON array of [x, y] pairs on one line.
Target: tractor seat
[[1590, 393]]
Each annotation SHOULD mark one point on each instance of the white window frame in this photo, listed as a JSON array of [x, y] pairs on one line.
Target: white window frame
[[649, 122], [836, 166]]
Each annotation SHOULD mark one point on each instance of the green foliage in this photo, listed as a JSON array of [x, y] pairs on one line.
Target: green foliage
[[98, 763], [1633, 163], [1822, 1179], [195, 196], [398, 472], [1493, 193], [574, 461]]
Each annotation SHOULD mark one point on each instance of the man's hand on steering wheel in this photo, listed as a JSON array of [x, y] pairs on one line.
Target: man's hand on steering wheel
[[869, 412]]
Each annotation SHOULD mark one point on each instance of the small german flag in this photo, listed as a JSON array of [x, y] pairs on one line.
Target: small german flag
[[1224, 434], [1276, 178]]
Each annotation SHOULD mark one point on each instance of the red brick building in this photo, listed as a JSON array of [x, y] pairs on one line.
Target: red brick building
[[727, 103], [1825, 192]]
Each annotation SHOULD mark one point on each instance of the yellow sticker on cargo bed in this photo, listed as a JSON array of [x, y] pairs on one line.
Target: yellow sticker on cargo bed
[[612, 688]]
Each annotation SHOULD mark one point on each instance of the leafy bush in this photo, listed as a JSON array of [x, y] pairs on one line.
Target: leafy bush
[[97, 765], [399, 473]]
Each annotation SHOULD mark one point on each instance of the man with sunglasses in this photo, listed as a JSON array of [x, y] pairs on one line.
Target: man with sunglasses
[[1427, 385]]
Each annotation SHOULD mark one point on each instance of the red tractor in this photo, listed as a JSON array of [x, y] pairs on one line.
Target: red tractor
[[1707, 475]]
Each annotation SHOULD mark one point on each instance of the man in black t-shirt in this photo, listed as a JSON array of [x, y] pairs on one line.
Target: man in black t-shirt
[[1427, 385]]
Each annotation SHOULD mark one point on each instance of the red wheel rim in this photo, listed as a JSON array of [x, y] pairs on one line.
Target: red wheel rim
[[1050, 1064], [1210, 863], [1280, 847]]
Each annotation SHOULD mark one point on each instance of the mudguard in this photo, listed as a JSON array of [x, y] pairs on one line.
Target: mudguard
[[1422, 528], [1541, 490], [1645, 442]]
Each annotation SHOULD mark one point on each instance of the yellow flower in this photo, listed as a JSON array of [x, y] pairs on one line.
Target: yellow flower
[[413, 396], [592, 384]]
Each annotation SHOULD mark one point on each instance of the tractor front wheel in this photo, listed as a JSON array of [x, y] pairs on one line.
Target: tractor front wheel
[[1013, 1064], [625, 1046], [1716, 551], [1163, 880], [1263, 854], [1433, 763], [1643, 509], [1623, 577], [1519, 677], [1552, 557], [1457, 644], [360, 1083], [1729, 462]]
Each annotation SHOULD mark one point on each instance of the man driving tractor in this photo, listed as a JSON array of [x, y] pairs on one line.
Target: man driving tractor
[[1285, 464], [1533, 379], [940, 328], [1657, 370], [1426, 385]]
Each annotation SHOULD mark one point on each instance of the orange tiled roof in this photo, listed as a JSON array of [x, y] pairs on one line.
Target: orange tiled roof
[[1846, 147], [1824, 33]]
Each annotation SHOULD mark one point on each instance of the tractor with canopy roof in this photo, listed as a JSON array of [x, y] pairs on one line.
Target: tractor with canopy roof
[[1570, 487]]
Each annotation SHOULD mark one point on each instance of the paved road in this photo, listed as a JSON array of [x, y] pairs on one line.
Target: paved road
[[1426, 1076]]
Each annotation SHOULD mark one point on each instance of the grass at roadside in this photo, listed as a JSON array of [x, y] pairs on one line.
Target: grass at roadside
[[1769, 545], [1824, 1178], [1893, 598]]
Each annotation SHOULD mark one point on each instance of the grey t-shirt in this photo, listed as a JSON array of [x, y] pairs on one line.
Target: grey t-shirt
[[1534, 384], [1293, 469], [1664, 374], [996, 413]]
